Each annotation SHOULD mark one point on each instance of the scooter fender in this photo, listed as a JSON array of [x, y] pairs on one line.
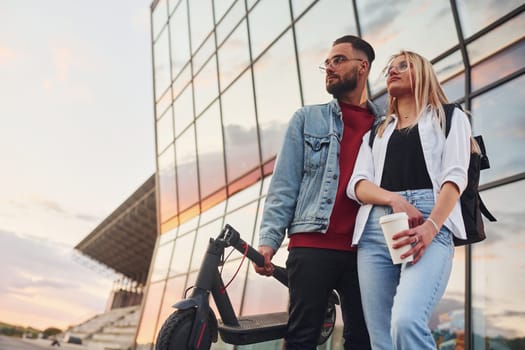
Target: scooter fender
[[185, 304]]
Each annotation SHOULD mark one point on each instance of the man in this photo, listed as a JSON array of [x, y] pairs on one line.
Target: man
[[307, 199]]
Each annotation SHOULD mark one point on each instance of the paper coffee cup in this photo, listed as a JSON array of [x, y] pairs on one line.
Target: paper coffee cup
[[392, 224]]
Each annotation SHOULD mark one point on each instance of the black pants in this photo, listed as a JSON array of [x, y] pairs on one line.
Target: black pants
[[312, 275]]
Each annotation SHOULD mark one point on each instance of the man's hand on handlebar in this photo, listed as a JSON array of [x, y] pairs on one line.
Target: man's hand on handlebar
[[267, 269]]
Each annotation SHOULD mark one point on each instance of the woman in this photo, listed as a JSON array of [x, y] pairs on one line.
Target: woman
[[411, 167]]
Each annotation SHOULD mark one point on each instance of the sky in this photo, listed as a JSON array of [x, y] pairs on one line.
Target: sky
[[76, 139]]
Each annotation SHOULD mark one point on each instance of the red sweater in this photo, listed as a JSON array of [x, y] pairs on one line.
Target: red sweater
[[357, 121]]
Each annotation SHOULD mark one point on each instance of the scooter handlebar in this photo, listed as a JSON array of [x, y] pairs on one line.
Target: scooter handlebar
[[233, 238]]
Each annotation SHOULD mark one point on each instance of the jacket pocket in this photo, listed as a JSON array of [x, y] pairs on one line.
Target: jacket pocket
[[316, 152]]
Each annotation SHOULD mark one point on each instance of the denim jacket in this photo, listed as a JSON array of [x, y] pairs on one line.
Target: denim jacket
[[306, 175]]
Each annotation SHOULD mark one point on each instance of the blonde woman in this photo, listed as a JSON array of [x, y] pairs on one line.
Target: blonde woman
[[411, 167]]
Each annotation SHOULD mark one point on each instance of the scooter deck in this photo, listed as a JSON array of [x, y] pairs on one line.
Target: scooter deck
[[255, 329]]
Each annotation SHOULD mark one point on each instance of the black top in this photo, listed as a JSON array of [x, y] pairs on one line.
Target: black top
[[405, 167]]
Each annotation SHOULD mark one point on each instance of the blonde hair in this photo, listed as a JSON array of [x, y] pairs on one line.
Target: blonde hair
[[425, 87]]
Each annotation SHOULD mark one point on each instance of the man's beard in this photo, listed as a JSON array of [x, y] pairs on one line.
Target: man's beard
[[346, 84]]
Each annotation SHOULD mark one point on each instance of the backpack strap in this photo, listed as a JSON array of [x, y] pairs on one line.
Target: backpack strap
[[449, 111]]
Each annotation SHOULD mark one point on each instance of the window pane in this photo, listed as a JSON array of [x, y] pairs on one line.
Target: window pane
[[242, 153], [173, 293], [314, 42], [183, 110], [234, 55], [206, 88], [162, 262], [299, 6], [499, 66], [164, 131], [475, 15], [388, 29], [204, 234], [146, 331], [497, 266], [182, 254], [211, 155], [167, 189], [201, 21], [180, 42], [245, 196], [276, 102], [230, 20], [261, 33], [450, 70], [181, 81], [162, 64], [204, 53], [163, 103], [187, 169], [159, 17], [498, 116]]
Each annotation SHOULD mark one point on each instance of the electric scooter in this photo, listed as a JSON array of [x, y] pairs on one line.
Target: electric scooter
[[194, 326]]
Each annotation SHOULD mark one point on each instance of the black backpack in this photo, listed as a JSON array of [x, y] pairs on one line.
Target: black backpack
[[472, 205]]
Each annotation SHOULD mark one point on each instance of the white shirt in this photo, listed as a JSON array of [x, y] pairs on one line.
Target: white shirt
[[446, 159]]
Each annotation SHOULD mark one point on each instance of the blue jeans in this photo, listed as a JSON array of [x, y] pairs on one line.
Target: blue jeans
[[398, 299]]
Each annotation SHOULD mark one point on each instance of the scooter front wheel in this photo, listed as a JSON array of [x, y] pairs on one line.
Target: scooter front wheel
[[176, 330]]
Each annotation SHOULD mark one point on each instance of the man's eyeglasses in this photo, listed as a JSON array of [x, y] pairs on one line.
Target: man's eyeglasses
[[335, 62], [401, 67]]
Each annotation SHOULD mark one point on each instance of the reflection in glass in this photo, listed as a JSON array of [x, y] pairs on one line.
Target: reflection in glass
[[236, 288], [241, 198], [298, 6], [164, 131], [234, 55], [204, 53], [180, 41], [167, 236], [162, 64], [188, 226], [187, 179], [201, 21], [240, 134], [387, 29], [276, 102], [243, 220], [150, 312], [205, 86], [475, 15], [498, 270], [183, 110], [163, 103], [173, 293], [162, 262], [314, 42], [498, 66], [167, 188], [209, 145], [182, 254], [262, 34], [498, 116], [229, 21], [159, 17], [204, 233]]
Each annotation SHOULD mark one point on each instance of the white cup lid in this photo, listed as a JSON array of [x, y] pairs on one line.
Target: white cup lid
[[393, 217]]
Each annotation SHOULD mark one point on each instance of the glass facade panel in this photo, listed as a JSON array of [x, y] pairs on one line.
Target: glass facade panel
[[496, 40], [221, 6], [201, 21], [167, 184], [234, 55], [389, 31], [211, 155], [150, 314], [241, 198], [298, 6], [261, 33], [498, 116], [163, 103], [231, 19], [182, 254], [164, 131], [204, 233], [183, 111], [276, 102], [205, 86], [187, 179], [243, 220], [314, 43], [162, 64], [181, 81], [498, 66], [161, 263], [204, 54], [159, 17], [497, 299], [180, 40], [173, 293], [450, 71], [475, 15], [240, 133]]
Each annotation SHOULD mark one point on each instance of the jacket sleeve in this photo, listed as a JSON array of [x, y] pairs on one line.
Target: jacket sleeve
[[456, 152], [279, 206], [363, 168]]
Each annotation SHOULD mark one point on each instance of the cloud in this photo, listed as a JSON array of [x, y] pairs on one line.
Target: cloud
[[46, 284]]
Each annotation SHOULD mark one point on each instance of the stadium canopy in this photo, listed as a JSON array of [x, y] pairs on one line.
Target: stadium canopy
[[124, 241]]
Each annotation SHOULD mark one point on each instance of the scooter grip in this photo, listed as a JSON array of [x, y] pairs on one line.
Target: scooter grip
[[279, 273]]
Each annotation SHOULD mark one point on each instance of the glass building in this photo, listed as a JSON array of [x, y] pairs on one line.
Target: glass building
[[228, 75]]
